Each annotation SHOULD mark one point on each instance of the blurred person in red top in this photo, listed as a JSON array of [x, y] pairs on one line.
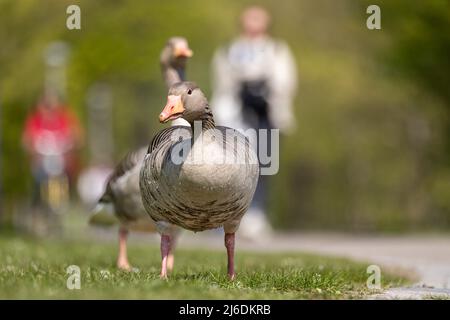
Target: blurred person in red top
[[51, 136]]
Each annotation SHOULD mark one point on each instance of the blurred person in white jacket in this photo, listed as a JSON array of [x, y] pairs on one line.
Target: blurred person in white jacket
[[254, 83]]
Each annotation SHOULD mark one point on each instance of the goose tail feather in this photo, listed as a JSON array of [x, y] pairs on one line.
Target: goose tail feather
[[103, 215]]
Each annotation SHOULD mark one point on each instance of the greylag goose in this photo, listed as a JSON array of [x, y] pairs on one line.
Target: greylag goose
[[173, 65], [199, 177], [122, 195]]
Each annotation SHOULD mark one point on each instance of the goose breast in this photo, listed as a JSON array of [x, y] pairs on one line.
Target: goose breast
[[200, 183]]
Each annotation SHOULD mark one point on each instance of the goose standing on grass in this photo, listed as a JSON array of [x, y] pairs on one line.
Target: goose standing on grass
[[197, 178], [122, 195]]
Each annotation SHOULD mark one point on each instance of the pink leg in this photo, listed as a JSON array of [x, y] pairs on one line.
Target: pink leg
[[170, 260], [165, 250], [170, 257], [229, 244], [122, 260]]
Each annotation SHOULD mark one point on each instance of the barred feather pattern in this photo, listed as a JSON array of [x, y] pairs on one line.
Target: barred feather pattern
[[199, 195], [122, 188]]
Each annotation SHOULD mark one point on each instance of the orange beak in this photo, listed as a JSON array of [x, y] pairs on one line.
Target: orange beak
[[183, 51], [174, 109]]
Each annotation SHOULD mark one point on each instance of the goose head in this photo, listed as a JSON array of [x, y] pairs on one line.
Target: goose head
[[175, 53], [186, 100]]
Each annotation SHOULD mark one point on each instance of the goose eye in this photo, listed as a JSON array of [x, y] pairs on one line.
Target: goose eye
[[189, 91]]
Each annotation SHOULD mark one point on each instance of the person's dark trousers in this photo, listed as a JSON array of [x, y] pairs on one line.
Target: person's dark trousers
[[255, 108], [260, 200]]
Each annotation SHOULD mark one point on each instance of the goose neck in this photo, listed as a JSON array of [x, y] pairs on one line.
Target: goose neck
[[206, 123], [172, 75]]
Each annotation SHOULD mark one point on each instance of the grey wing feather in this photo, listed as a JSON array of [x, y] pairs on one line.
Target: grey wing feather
[[130, 160]]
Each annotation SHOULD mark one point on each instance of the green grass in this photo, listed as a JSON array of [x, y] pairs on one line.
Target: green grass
[[36, 269]]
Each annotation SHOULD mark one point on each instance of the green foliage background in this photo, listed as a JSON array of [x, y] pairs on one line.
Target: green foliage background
[[372, 150]]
